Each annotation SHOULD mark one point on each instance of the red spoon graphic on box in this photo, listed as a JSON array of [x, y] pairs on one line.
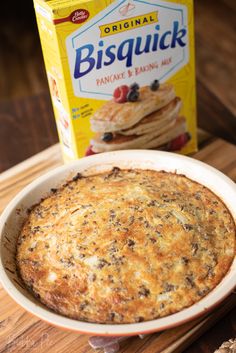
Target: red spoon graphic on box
[[127, 9]]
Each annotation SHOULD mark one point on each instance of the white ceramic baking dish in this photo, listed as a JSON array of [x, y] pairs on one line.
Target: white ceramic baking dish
[[15, 213]]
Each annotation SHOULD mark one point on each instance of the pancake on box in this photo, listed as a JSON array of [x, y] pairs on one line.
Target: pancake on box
[[140, 118]]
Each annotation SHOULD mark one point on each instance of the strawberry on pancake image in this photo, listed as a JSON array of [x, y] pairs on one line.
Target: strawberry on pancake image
[[140, 117]]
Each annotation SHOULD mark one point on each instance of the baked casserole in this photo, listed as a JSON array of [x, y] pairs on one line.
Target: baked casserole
[[125, 246]]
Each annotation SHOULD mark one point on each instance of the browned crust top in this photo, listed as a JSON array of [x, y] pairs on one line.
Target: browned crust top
[[126, 246]]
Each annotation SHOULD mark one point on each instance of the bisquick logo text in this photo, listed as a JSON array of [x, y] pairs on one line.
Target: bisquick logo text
[[87, 58]]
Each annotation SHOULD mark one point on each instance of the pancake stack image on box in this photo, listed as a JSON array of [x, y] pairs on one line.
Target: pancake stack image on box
[[147, 118]]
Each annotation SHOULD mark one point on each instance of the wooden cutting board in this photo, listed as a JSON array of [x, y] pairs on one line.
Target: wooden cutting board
[[20, 332]]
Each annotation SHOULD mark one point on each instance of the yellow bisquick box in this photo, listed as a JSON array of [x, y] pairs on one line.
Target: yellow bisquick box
[[121, 74]]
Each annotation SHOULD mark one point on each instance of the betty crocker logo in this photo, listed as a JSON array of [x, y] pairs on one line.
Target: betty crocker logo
[[77, 17]]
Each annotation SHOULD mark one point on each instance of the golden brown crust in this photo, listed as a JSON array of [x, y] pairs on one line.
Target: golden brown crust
[[126, 246]]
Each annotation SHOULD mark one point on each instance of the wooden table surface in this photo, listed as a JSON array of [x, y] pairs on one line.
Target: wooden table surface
[[27, 123]]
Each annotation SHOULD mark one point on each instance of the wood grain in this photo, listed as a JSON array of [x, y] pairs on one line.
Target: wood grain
[[226, 161], [27, 127], [215, 29], [198, 329], [22, 70], [21, 332], [231, 4], [214, 116]]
